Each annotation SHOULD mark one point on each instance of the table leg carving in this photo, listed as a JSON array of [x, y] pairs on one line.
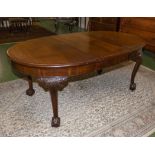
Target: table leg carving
[[30, 91], [138, 59], [54, 84]]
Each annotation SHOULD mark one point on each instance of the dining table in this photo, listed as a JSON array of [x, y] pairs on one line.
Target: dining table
[[52, 60]]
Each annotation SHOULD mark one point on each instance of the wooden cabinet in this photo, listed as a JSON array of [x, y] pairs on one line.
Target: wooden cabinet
[[103, 23], [141, 26]]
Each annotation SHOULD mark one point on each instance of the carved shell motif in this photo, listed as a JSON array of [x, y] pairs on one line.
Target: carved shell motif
[[56, 82]]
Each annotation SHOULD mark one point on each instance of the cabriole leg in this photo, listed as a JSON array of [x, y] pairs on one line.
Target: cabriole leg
[[54, 98], [54, 84], [30, 91], [138, 60]]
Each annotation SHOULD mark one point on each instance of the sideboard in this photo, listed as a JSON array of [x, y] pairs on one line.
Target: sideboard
[[103, 23], [141, 26]]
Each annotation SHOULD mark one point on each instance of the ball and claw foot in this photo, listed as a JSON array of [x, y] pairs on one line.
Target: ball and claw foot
[[30, 92], [132, 86], [55, 122]]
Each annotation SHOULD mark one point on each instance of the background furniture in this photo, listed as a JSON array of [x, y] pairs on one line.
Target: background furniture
[[70, 22], [19, 24], [103, 23], [4, 24], [15, 24], [141, 26]]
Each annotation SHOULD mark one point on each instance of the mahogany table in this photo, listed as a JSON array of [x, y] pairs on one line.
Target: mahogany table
[[52, 60]]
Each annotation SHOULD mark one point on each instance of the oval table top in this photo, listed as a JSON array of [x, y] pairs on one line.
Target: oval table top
[[73, 49], [67, 54]]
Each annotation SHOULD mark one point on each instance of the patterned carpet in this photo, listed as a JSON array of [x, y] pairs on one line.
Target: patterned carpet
[[102, 105]]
